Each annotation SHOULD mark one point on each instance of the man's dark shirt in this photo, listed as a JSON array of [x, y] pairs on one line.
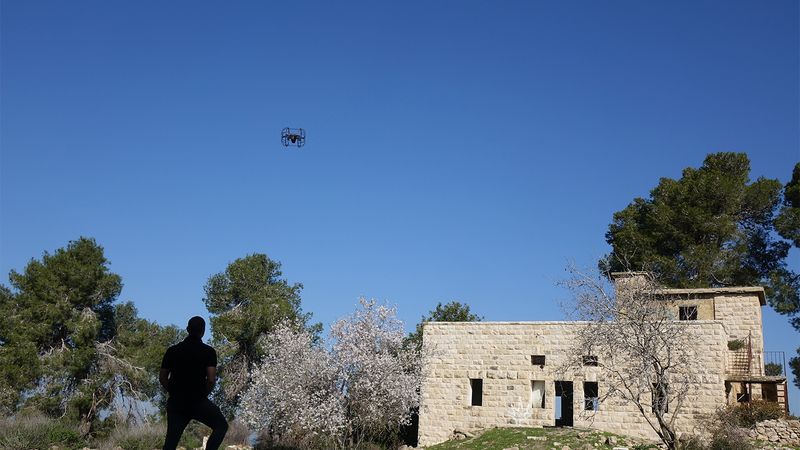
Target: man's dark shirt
[[187, 362]]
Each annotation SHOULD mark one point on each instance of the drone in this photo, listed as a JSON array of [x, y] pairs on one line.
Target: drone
[[293, 136]]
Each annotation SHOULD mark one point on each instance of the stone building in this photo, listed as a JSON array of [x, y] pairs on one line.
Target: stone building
[[496, 374]]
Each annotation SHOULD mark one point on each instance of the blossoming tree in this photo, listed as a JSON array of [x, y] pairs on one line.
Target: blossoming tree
[[365, 386]]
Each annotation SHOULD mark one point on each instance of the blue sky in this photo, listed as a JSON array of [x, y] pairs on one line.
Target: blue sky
[[456, 150]]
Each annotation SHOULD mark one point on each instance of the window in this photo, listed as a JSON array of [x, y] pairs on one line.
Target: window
[[687, 312], [476, 387], [743, 396], [537, 394], [591, 360], [660, 400], [591, 396], [537, 360]]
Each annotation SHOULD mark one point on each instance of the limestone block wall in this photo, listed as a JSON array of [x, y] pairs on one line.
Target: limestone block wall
[[705, 307], [741, 316], [499, 353]]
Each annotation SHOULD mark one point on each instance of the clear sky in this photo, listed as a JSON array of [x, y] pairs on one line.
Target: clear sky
[[456, 150]]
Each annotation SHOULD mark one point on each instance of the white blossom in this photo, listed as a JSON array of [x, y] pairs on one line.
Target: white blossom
[[365, 386], [294, 394]]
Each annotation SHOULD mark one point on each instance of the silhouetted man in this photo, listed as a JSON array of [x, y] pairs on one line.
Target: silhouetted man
[[188, 373]]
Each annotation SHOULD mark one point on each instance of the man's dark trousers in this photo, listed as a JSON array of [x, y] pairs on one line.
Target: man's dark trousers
[[204, 411]]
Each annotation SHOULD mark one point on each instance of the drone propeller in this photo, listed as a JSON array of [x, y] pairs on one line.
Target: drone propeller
[[293, 136]]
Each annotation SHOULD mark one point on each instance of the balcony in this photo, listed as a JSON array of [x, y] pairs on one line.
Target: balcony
[[759, 373]]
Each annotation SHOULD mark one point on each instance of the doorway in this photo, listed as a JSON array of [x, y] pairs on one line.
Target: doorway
[[563, 403]]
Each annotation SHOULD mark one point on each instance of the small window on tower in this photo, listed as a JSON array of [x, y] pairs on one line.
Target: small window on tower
[[687, 312], [537, 360]]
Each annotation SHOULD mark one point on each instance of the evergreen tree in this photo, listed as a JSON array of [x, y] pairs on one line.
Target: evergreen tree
[[246, 303], [65, 348], [714, 227], [788, 225], [452, 311], [788, 222]]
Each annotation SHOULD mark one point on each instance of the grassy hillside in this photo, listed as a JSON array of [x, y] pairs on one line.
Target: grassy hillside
[[540, 438]]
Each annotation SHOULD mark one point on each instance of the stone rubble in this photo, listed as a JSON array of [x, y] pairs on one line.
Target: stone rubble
[[780, 432]]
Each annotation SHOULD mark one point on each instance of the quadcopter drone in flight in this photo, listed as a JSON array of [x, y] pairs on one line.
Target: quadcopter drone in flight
[[293, 136]]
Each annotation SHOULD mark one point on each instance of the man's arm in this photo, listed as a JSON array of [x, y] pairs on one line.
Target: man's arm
[[163, 378], [211, 379], [166, 364]]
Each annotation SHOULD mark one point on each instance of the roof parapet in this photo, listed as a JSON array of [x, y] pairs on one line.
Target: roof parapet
[[628, 280]]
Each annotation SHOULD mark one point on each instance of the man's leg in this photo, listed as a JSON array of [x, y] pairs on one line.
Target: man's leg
[[209, 414], [176, 423]]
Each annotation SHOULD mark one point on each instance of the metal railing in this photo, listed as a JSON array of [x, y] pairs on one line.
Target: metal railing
[[775, 363], [740, 360]]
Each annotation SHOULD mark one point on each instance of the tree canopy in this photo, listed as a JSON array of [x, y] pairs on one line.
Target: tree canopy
[[788, 222], [714, 227], [452, 311], [247, 301], [788, 225], [67, 349]]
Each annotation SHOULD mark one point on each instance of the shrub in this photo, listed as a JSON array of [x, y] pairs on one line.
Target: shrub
[[266, 442], [736, 344], [193, 435], [728, 427], [142, 437], [691, 443], [238, 434], [773, 369], [748, 414], [35, 431], [727, 437]]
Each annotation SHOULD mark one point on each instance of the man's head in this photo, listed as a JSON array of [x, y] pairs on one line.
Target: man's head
[[196, 327]]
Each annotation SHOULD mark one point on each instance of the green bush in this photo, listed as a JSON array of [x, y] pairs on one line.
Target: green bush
[[736, 344], [746, 415], [35, 431], [773, 369], [193, 435]]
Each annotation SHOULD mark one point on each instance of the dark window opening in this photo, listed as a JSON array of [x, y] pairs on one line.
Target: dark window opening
[[537, 360], [687, 312], [591, 396], [660, 401], [743, 396], [591, 360], [476, 386], [769, 392]]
